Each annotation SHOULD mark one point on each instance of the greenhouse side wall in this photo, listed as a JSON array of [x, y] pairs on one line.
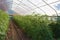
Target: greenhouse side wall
[[3, 5]]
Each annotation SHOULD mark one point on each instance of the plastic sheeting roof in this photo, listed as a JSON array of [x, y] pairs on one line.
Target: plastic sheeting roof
[[48, 7]]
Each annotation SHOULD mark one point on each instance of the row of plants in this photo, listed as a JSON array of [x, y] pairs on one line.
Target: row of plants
[[4, 23], [35, 26], [55, 27]]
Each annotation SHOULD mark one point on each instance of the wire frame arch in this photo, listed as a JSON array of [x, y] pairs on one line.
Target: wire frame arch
[[50, 7], [46, 4], [36, 6]]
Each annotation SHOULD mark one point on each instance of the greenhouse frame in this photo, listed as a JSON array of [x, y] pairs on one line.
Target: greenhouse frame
[[29, 19]]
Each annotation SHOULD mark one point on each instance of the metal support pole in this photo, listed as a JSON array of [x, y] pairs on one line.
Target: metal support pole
[[50, 7], [36, 6]]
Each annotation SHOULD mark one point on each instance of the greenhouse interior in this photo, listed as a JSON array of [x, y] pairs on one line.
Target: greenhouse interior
[[29, 19]]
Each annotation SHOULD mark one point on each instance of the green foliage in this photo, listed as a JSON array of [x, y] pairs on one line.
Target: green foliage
[[36, 27], [4, 20], [55, 26]]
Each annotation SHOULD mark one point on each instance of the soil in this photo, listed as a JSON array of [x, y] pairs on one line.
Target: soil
[[15, 33]]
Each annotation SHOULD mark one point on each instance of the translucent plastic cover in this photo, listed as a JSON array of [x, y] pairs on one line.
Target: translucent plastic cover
[[48, 7]]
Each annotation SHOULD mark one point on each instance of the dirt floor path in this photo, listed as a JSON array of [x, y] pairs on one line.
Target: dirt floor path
[[15, 33]]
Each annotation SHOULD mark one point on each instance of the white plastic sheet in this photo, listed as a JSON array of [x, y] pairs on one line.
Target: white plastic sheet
[[26, 7]]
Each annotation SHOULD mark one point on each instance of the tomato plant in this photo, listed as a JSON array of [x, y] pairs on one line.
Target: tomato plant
[[4, 22], [36, 27]]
